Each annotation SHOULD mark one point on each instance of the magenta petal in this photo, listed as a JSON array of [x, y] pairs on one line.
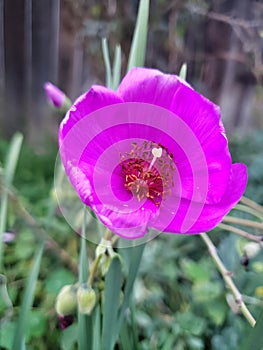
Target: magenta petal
[[97, 97], [212, 214], [149, 86], [203, 118], [152, 111]]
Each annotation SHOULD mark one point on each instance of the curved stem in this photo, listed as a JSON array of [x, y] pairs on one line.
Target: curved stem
[[228, 280], [252, 204], [243, 222], [249, 210], [238, 231]]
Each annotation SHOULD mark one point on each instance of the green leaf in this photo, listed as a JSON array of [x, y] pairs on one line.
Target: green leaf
[[195, 271], [69, 337], [7, 331], [57, 279], [133, 257], [183, 71], [37, 324], [106, 57], [189, 322], [138, 47], [84, 321], [205, 291], [27, 301], [116, 75], [111, 304], [97, 329], [255, 338], [9, 171]]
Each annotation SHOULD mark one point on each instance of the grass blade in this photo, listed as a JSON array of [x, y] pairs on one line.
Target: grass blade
[[84, 321], [116, 75], [19, 338], [111, 303], [106, 57], [138, 47], [10, 166], [135, 256], [183, 71], [97, 330]]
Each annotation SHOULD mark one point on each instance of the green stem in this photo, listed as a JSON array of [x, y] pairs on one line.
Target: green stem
[[242, 233], [252, 204], [249, 210], [228, 280], [243, 222]]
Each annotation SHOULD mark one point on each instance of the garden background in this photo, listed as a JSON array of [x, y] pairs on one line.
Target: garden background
[[179, 294]]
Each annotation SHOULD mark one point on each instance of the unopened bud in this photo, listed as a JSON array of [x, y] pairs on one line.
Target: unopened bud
[[56, 97], [251, 249], [66, 302], [87, 298]]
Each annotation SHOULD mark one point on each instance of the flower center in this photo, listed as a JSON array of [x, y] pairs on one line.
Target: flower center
[[148, 171]]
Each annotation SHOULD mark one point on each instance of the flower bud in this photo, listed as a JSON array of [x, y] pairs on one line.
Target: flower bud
[[66, 302], [56, 97], [87, 298], [251, 249]]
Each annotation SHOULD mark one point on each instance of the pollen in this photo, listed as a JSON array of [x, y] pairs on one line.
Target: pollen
[[148, 171]]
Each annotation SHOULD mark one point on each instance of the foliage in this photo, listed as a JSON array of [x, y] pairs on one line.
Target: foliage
[[180, 298]]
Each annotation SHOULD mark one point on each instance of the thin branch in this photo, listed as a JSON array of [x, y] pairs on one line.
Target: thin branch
[[243, 222], [252, 204], [228, 280], [247, 235]]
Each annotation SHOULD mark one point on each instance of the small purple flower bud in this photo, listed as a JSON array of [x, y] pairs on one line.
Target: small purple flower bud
[[54, 95], [8, 237]]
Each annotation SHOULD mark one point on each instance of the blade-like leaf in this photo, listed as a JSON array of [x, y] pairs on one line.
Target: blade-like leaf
[[19, 338], [183, 71], [106, 57], [9, 171], [84, 321], [111, 303], [138, 47], [134, 258], [116, 76], [97, 329], [255, 338]]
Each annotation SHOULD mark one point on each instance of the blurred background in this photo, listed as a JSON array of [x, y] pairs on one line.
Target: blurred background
[[60, 41], [181, 302]]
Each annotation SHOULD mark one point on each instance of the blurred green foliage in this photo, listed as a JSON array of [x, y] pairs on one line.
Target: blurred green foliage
[[180, 300]]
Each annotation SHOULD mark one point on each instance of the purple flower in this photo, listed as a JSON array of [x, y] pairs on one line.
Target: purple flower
[[54, 95], [152, 154], [8, 237]]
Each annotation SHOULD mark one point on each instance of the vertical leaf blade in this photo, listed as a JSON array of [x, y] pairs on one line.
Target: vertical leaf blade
[[84, 321], [135, 257], [19, 338], [106, 57], [10, 166], [138, 47], [111, 304], [116, 74]]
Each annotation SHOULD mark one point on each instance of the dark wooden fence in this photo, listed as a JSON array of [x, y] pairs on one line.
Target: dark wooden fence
[[60, 41]]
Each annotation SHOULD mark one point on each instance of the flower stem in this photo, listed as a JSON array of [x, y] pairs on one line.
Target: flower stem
[[243, 222], [252, 204], [93, 270], [250, 236], [249, 210], [228, 280]]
